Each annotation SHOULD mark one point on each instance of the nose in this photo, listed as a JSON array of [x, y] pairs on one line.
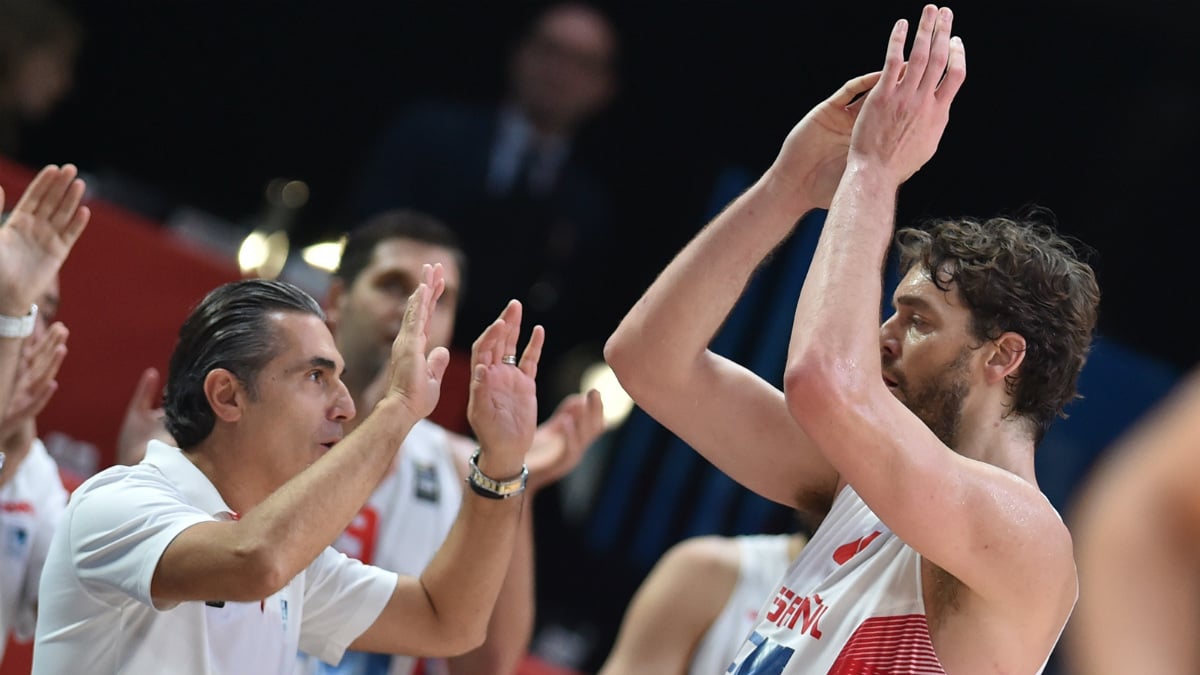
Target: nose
[[343, 404], [889, 342]]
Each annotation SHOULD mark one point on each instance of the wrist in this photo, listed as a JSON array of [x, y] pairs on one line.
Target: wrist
[[794, 198], [488, 485], [18, 325], [871, 173]]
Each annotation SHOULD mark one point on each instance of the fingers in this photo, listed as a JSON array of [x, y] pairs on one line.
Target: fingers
[[439, 359], [147, 393], [956, 71], [512, 321], [485, 350], [939, 51], [918, 57], [31, 199], [852, 91], [419, 309], [57, 187], [78, 221], [893, 62], [533, 352]]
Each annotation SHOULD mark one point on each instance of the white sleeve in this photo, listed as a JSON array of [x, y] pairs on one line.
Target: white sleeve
[[51, 500], [342, 599], [119, 529]]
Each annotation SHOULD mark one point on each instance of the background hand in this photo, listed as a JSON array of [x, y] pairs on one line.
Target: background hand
[[39, 233], [40, 361], [143, 419], [559, 443], [502, 407]]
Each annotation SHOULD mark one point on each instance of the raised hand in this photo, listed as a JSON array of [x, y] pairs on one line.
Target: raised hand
[[906, 112], [40, 231], [414, 374], [813, 157], [143, 419], [560, 441], [502, 408], [42, 356]]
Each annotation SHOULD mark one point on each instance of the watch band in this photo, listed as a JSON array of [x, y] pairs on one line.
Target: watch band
[[18, 326], [491, 488]]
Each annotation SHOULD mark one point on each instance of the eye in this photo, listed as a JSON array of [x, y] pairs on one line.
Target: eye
[[316, 375], [919, 323]]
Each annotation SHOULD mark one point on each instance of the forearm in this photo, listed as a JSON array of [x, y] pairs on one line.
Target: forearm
[[838, 308], [464, 579], [10, 357], [313, 508], [511, 625], [682, 310]]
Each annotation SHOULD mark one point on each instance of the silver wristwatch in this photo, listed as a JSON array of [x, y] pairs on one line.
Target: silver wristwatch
[[491, 488]]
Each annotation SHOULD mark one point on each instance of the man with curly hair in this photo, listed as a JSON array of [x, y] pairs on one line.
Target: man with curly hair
[[914, 440]]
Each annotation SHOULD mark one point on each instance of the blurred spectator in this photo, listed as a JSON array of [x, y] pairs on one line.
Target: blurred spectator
[[1135, 535], [702, 598], [39, 41], [32, 496], [505, 177]]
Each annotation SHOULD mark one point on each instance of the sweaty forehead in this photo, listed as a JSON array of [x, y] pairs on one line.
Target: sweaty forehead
[[917, 288]]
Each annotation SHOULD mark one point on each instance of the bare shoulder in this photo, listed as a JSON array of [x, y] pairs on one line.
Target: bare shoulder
[[712, 558]]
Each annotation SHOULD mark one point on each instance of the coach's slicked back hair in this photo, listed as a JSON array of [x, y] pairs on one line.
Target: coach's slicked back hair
[[1019, 275], [230, 329]]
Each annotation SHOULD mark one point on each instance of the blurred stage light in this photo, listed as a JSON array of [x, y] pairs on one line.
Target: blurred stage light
[[325, 255], [617, 404], [262, 254]]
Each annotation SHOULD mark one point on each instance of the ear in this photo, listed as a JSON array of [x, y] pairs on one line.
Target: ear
[[333, 302], [1007, 353], [225, 393]]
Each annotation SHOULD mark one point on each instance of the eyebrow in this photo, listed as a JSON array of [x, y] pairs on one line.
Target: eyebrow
[[913, 301], [315, 362]]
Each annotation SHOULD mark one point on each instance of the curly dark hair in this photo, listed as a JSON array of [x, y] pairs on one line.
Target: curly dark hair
[[230, 328], [1019, 275]]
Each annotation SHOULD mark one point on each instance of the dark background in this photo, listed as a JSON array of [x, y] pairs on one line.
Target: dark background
[[1085, 108]]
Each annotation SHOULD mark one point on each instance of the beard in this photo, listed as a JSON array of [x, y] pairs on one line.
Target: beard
[[938, 401]]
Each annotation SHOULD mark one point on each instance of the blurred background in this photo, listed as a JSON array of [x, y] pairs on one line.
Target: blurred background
[[199, 122]]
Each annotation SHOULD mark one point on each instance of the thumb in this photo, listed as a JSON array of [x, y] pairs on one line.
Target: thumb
[[148, 391], [438, 359]]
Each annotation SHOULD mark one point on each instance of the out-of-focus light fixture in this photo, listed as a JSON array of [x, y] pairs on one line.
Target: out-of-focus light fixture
[[326, 255], [617, 403], [263, 254]]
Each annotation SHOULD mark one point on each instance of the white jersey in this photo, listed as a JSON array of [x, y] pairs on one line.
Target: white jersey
[[851, 603], [763, 560], [30, 506], [400, 529]]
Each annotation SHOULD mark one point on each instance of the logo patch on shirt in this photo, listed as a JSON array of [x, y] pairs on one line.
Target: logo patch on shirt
[[845, 552], [16, 540], [425, 483]]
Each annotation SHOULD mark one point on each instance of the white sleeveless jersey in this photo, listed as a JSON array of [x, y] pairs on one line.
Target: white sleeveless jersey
[[401, 527], [851, 603], [763, 562]]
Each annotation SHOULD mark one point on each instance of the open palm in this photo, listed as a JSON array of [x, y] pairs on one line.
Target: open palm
[[40, 231]]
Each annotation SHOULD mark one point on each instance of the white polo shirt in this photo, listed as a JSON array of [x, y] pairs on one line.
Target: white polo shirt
[[96, 614], [30, 506]]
